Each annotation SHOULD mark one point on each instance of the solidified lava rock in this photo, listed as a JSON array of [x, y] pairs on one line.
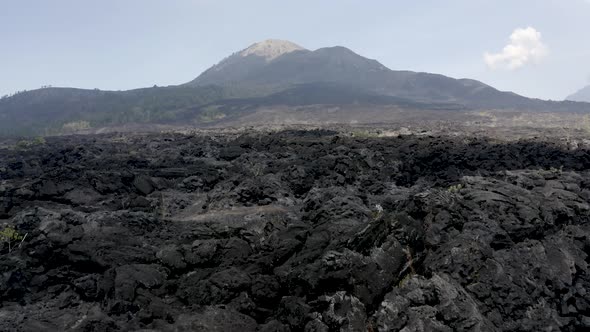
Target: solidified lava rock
[[295, 231]]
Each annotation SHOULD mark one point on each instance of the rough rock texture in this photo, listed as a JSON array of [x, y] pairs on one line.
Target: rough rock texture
[[295, 231]]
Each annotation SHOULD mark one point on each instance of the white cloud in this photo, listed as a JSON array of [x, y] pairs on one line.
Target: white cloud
[[525, 47]]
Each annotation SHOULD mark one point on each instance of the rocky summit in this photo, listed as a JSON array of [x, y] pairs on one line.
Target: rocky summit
[[294, 231], [271, 49]]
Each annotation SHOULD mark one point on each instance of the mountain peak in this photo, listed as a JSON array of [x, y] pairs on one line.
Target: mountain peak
[[271, 49], [583, 95]]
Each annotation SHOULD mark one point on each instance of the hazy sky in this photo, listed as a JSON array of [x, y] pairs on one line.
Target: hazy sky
[[538, 48]]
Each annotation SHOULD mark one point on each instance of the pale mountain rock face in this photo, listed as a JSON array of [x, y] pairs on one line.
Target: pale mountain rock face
[[271, 49]]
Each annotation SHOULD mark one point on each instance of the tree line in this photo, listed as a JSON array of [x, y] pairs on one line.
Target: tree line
[[23, 91]]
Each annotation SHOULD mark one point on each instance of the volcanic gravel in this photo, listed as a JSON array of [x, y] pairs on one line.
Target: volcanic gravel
[[295, 231]]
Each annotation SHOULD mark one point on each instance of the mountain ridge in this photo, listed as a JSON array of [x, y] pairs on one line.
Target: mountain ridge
[[272, 72], [341, 65], [582, 95]]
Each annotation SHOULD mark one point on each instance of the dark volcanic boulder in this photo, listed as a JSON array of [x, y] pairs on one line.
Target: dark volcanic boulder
[[129, 277], [215, 319], [143, 185], [429, 305]]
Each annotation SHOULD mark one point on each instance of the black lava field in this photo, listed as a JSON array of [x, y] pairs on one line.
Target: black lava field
[[294, 231]]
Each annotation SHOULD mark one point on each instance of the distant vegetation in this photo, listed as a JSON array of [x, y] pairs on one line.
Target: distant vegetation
[[25, 144], [211, 113], [75, 126], [62, 110]]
